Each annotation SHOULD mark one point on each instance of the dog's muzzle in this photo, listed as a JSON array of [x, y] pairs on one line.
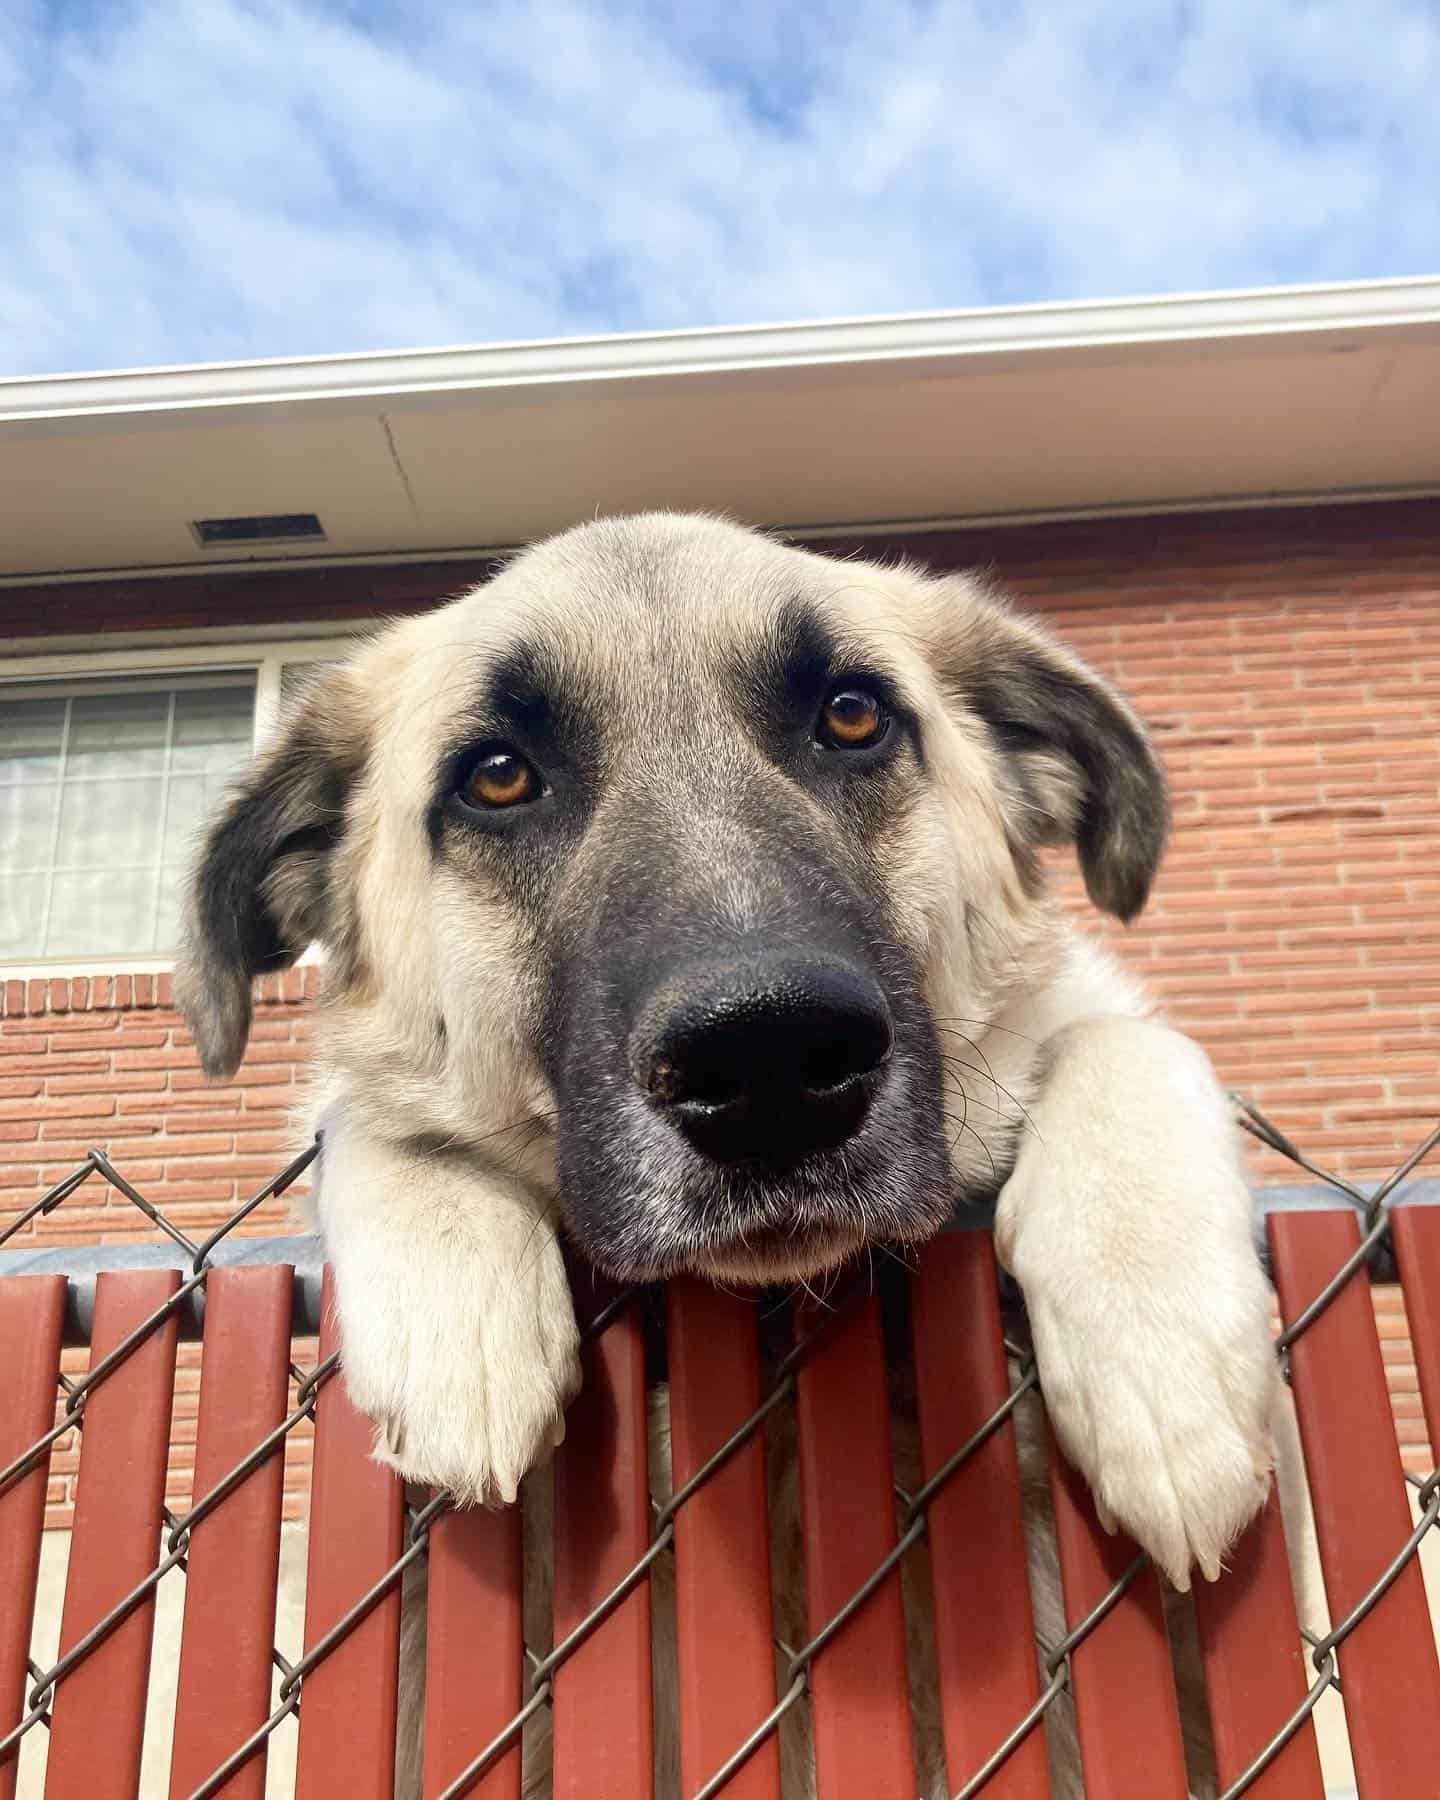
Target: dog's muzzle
[[765, 1062]]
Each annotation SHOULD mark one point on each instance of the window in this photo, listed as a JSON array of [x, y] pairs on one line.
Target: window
[[106, 779], [102, 789]]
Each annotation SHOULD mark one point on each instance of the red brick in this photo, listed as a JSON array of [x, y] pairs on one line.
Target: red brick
[[263, 1031], [77, 1107], [26, 1150], [178, 1193], [179, 1123], [281, 1145], [267, 1075], [142, 1175], [150, 1019], [156, 1055], [103, 1084], [216, 1097], [78, 1024], [94, 1127], [188, 1148], [272, 1099], [239, 1170], [53, 1065], [82, 1220]]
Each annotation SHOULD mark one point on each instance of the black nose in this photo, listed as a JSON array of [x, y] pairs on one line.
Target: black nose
[[770, 1063]]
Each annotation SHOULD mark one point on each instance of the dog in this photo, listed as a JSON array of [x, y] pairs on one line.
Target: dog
[[683, 892]]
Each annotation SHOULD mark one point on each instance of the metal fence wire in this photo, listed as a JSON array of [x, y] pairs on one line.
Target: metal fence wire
[[1376, 1212]]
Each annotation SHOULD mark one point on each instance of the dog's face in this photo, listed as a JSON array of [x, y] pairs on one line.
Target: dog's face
[[691, 846]]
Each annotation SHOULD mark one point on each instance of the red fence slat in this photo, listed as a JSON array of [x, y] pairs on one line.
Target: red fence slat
[[98, 1720], [722, 1546], [1125, 1705], [1392, 1681], [1416, 1230], [984, 1633], [473, 1649], [861, 1699], [348, 1700], [602, 1710], [233, 1560], [1256, 1671], [32, 1310]]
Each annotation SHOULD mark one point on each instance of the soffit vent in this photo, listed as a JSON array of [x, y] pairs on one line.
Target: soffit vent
[[258, 528]]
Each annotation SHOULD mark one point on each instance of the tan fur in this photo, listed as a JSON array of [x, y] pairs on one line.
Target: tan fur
[[1124, 1211]]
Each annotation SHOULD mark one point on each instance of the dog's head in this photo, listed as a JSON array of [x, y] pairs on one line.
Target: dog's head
[[691, 846]]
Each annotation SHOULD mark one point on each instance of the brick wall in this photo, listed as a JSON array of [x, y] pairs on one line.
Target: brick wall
[[107, 1061], [1289, 664], [1295, 929]]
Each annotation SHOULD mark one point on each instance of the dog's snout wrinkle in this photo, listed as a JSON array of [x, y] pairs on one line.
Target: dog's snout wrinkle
[[770, 1062]]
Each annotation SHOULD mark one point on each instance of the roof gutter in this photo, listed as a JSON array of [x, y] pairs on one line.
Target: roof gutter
[[1076, 330]]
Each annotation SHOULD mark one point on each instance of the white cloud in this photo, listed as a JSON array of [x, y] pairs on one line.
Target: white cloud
[[194, 179]]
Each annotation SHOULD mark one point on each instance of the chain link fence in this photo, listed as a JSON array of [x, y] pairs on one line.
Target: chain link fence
[[1374, 1209]]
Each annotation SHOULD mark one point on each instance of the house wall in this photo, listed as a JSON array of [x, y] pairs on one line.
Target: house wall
[[1289, 665]]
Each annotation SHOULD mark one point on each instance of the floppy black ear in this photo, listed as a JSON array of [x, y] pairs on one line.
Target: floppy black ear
[[262, 887], [1077, 764]]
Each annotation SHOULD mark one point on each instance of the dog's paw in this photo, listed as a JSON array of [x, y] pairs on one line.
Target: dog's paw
[[466, 1363], [1162, 1397]]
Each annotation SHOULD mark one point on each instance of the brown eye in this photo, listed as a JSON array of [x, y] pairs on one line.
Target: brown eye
[[852, 719], [500, 778]]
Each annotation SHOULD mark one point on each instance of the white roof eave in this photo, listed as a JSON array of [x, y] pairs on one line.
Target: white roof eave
[[1088, 330]]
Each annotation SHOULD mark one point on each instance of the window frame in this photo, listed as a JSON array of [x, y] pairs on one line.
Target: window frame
[[264, 658]]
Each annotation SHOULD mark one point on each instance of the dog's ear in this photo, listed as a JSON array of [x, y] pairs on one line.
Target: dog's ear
[[1076, 764], [262, 888]]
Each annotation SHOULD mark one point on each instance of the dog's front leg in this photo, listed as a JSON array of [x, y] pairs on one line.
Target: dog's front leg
[[457, 1331], [1127, 1222]]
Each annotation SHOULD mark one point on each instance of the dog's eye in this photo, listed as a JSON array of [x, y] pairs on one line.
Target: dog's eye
[[852, 719], [499, 777]]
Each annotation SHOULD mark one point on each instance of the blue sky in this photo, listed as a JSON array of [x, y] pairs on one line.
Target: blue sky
[[186, 180]]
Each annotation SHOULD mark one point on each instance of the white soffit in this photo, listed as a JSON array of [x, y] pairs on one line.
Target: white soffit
[[1321, 392]]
